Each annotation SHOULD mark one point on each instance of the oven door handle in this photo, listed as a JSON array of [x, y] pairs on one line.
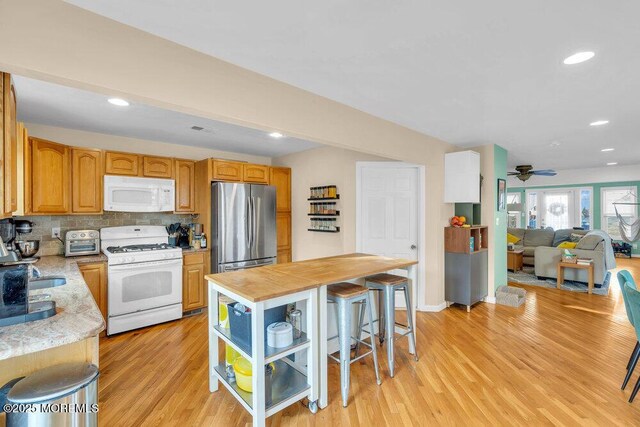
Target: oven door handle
[[147, 264]]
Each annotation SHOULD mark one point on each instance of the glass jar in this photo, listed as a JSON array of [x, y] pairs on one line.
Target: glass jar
[[333, 191]]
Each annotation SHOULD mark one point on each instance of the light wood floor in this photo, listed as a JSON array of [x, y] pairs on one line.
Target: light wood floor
[[559, 359]]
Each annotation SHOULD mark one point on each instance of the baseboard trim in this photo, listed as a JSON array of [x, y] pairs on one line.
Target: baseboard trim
[[490, 300], [433, 308], [635, 255]]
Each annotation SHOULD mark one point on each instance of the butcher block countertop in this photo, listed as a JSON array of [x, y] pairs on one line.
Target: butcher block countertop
[[272, 281]]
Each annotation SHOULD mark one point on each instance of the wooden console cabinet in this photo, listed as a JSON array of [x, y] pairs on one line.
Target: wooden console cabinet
[[466, 265]]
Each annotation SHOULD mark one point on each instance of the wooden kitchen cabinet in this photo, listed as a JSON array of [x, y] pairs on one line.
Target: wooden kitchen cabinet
[[2, 141], [24, 172], [10, 146], [283, 233], [86, 185], [121, 163], [185, 186], [193, 282], [157, 167], [224, 170], [281, 179], [256, 174], [95, 276], [51, 176], [284, 255]]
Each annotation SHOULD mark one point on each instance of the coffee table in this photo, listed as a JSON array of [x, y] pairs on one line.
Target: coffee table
[[514, 259], [563, 265]]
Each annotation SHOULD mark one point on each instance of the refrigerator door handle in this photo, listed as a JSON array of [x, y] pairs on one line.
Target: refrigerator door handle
[[251, 230], [247, 232], [255, 206]]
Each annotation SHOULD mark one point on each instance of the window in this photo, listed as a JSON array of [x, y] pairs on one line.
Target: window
[[532, 210], [560, 208], [514, 210], [611, 195]]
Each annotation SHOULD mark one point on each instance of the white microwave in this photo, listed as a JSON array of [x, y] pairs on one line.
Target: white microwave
[[131, 194]]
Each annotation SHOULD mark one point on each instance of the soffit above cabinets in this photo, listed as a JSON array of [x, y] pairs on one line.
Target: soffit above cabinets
[[56, 105]]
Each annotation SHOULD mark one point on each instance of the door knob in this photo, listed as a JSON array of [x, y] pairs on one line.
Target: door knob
[[414, 247]]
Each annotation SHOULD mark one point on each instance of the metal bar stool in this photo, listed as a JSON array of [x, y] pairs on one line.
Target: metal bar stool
[[344, 295], [387, 285]]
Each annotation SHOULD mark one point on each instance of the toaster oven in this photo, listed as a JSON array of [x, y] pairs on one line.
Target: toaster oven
[[82, 242]]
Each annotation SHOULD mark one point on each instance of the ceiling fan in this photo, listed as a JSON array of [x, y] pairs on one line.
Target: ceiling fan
[[524, 172]]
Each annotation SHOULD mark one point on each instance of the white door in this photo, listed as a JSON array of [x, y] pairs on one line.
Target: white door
[[388, 201]]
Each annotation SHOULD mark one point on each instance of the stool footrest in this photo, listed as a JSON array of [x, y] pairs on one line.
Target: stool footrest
[[335, 359]]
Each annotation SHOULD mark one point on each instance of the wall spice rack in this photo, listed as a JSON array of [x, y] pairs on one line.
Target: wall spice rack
[[337, 230], [313, 199], [323, 212]]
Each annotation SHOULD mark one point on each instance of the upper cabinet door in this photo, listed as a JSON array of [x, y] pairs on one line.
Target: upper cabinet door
[[157, 167], [258, 174], [86, 186], [121, 163], [10, 147], [462, 177], [185, 186], [50, 165], [281, 179], [227, 171]]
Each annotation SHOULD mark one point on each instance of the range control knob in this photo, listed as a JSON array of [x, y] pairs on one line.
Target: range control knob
[[82, 235], [74, 235]]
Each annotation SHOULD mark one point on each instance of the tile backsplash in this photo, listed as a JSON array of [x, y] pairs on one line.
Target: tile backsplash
[[52, 246]]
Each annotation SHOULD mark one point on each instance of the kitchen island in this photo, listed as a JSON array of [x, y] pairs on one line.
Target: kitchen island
[[68, 336], [284, 283]]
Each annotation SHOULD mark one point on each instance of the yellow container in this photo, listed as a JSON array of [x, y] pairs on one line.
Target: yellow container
[[230, 354], [244, 372], [223, 311]]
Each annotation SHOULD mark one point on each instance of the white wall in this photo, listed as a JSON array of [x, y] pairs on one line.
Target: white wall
[[79, 138], [581, 176], [317, 167]]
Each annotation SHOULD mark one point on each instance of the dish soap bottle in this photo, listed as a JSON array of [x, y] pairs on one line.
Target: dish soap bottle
[[203, 241]]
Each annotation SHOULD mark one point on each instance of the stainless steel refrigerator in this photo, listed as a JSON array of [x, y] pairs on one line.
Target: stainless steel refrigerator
[[243, 226]]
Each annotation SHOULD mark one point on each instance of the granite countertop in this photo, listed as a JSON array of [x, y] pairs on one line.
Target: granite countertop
[[77, 317]]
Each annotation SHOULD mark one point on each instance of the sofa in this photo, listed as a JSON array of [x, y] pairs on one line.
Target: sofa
[[542, 252], [530, 239]]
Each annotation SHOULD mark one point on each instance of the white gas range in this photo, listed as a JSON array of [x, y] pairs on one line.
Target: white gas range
[[145, 277]]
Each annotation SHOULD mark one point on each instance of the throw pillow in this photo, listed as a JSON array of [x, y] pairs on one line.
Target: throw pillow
[[568, 245], [512, 239], [575, 237], [589, 242]]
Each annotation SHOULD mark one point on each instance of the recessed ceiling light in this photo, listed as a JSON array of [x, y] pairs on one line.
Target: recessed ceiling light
[[119, 102], [599, 123], [606, 150], [578, 57], [612, 163], [276, 135]]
